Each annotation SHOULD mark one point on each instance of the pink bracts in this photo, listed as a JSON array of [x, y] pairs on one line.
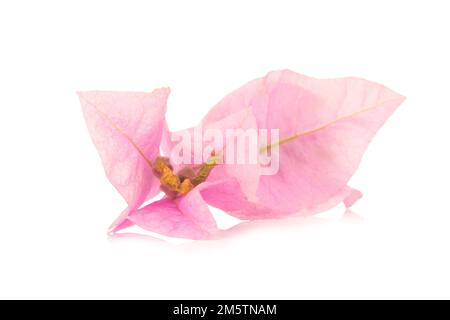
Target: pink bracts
[[280, 145]]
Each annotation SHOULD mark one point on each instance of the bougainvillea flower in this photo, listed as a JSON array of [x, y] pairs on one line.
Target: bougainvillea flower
[[324, 127]]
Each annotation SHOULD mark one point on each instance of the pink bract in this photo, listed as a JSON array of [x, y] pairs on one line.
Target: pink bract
[[325, 126]]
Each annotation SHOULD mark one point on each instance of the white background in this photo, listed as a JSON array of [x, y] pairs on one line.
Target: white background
[[56, 202]]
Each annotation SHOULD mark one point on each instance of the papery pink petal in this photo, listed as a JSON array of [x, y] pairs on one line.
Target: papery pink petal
[[333, 121], [121, 222], [227, 195], [254, 94], [166, 143], [328, 125], [353, 196], [247, 174], [186, 217], [126, 128]]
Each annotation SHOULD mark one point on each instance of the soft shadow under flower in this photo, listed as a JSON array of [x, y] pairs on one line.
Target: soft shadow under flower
[[247, 227]]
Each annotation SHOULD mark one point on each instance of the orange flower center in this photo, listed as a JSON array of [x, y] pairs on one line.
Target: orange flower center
[[178, 184]]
